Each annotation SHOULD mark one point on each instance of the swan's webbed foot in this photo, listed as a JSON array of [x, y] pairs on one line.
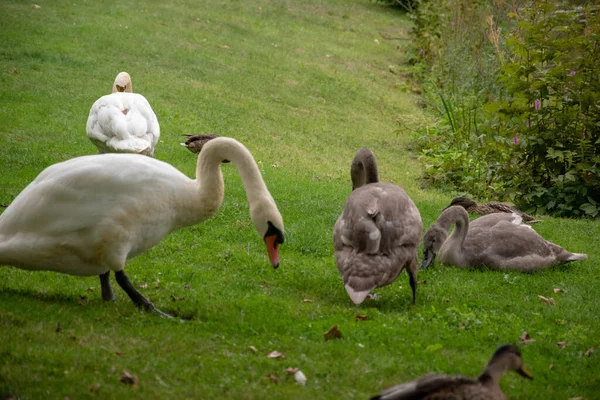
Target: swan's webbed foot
[[137, 298], [107, 292]]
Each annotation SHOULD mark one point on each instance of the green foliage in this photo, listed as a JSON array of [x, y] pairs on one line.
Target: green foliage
[[524, 79], [553, 105]]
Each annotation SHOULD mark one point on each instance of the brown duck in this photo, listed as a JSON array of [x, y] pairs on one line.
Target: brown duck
[[194, 143], [378, 233], [489, 208], [459, 387]]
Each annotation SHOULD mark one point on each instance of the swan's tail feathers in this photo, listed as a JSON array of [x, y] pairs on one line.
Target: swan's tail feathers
[[355, 296], [577, 257]]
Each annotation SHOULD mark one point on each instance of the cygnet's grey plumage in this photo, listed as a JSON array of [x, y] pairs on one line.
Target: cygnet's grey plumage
[[378, 233], [459, 387], [495, 241]]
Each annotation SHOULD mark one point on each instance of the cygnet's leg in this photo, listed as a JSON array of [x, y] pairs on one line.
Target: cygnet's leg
[[136, 296], [107, 292], [412, 276]]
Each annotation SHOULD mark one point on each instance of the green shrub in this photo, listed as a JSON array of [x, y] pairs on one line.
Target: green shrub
[[517, 90]]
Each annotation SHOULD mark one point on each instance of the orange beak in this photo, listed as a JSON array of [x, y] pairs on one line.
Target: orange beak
[[273, 250]]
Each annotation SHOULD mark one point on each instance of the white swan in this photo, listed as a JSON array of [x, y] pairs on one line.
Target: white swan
[[88, 215], [496, 241], [378, 233], [123, 122]]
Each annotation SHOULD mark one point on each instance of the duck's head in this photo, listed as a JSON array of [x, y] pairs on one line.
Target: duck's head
[[465, 202], [432, 243], [507, 357], [122, 83], [269, 224]]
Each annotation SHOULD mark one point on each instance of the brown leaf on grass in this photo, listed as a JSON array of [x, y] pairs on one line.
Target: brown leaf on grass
[[561, 345], [14, 71], [119, 353], [292, 370], [36, 6], [589, 351], [272, 378], [525, 339], [129, 379], [547, 300], [177, 298], [424, 282], [275, 354], [307, 301], [558, 290], [252, 349], [224, 46], [143, 285], [58, 327], [95, 388], [333, 333], [447, 300]]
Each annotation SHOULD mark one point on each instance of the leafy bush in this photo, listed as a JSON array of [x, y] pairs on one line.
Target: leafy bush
[[520, 110]]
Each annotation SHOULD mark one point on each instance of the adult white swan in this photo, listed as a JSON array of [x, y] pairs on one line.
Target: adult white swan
[[123, 122], [88, 215]]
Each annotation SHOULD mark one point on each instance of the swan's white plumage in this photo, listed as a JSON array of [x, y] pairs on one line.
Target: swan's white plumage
[[88, 215], [123, 122]]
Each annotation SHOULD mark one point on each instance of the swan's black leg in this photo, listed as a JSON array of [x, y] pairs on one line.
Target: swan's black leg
[[412, 278], [136, 296], [107, 292]]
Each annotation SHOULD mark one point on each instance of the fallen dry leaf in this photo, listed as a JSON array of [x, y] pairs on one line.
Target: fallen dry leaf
[[307, 301], [300, 378], [119, 353], [292, 370], [558, 290], [36, 6], [252, 349], [129, 379], [525, 339], [561, 345], [272, 378], [361, 318], [143, 285], [447, 300], [14, 71], [547, 300], [333, 333], [177, 298], [275, 354], [424, 282], [95, 388], [589, 351], [224, 46]]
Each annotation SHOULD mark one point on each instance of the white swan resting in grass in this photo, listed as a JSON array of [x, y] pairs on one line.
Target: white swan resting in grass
[[89, 215], [495, 241], [123, 122]]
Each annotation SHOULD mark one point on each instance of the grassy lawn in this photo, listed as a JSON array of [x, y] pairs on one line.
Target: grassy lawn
[[303, 85]]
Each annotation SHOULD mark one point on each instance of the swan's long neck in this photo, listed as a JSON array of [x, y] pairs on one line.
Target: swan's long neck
[[457, 215], [364, 168], [210, 177]]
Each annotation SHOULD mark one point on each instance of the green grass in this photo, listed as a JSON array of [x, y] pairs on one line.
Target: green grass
[[303, 85]]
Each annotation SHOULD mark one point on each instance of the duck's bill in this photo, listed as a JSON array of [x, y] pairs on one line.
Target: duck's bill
[[428, 259], [273, 250], [524, 373]]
